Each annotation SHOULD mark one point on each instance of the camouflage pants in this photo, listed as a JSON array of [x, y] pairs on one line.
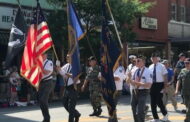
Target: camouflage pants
[[187, 104], [95, 98]]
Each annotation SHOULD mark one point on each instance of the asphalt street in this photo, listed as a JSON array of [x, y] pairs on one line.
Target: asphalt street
[[58, 113]]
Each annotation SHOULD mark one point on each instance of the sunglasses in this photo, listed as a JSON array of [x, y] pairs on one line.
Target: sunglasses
[[187, 62], [138, 60]]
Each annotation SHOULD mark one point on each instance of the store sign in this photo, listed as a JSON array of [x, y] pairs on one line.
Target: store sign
[[149, 23], [7, 16]]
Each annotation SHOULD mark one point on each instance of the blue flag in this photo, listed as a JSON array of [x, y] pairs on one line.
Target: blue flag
[[109, 55], [76, 33]]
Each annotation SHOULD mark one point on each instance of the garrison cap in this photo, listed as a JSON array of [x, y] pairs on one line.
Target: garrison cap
[[181, 54], [91, 58]]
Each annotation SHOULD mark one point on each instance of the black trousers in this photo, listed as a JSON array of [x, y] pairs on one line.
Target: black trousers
[[156, 99], [43, 96], [69, 102]]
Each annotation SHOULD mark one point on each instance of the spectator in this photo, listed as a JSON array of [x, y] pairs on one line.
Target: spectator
[[15, 82]]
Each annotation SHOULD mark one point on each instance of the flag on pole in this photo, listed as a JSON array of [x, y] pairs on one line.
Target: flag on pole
[[17, 38], [38, 41], [76, 33], [109, 55]]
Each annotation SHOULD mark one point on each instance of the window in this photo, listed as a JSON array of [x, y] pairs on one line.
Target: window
[[173, 12], [183, 12]]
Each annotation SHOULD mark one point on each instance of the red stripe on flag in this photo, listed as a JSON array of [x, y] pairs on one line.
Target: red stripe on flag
[[45, 27], [43, 38], [45, 48]]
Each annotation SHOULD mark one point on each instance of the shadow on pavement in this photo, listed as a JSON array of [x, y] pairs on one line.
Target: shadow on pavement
[[14, 119]]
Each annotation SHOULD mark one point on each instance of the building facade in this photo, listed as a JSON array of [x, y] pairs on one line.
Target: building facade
[[179, 26], [152, 30], [8, 10], [163, 29]]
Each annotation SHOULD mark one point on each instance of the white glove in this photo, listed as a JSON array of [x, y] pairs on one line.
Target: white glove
[[58, 63]]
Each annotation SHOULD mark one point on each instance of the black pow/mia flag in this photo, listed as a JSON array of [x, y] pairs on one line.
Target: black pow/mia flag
[[16, 40]]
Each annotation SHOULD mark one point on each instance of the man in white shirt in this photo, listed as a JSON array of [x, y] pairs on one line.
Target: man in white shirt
[[119, 76], [140, 82], [159, 78], [45, 87], [70, 93], [131, 68]]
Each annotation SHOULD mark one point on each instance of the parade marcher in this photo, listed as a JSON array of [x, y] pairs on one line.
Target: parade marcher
[[132, 63], [45, 87], [70, 94], [131, 67], [180, 65], [140, 81], [119, 76], [159, 78], [169, 93], [184, 79], [94, 86]]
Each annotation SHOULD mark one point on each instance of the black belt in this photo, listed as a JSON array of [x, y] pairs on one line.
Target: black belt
[[69, 87], [141, 90], [45, 80]]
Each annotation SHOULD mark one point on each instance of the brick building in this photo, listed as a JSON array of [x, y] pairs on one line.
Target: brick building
[[163, 28]]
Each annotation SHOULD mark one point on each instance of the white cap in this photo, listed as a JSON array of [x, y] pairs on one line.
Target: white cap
[[132, 56]]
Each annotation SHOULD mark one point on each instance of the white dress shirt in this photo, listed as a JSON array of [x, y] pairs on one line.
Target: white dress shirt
[[64, 70], [48, 65], [160, 72], [131, 69], [120, 73], [145, 78]]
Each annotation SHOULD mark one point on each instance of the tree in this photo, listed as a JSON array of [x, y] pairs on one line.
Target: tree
[[125, 13]]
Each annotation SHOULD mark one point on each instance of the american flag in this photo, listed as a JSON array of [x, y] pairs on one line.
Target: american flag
[[38, 41]]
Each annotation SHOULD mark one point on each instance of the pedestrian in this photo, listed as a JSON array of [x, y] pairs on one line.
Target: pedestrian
[[140, 82], [45, 87], [184, 79], [169, 93], [159, 78], [4, 83], [15, 83], [180, 65], [70, 93], [94, 86]]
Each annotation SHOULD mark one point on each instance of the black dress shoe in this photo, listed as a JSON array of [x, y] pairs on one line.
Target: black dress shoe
[[77, 117], [99, 112], [93, 114]]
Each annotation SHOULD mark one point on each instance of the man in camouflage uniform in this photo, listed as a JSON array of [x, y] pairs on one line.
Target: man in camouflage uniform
[[184, 79], [179, 66], [94, 86]]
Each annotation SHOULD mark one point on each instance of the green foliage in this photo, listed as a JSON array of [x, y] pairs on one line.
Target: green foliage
[[125, 12]]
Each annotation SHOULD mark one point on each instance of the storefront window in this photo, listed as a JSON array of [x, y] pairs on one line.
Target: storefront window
[[173, 12], [183, 18]]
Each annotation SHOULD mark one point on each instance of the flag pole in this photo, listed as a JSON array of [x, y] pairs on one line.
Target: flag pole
[[53, 46], [19, 4], [109, 9]]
